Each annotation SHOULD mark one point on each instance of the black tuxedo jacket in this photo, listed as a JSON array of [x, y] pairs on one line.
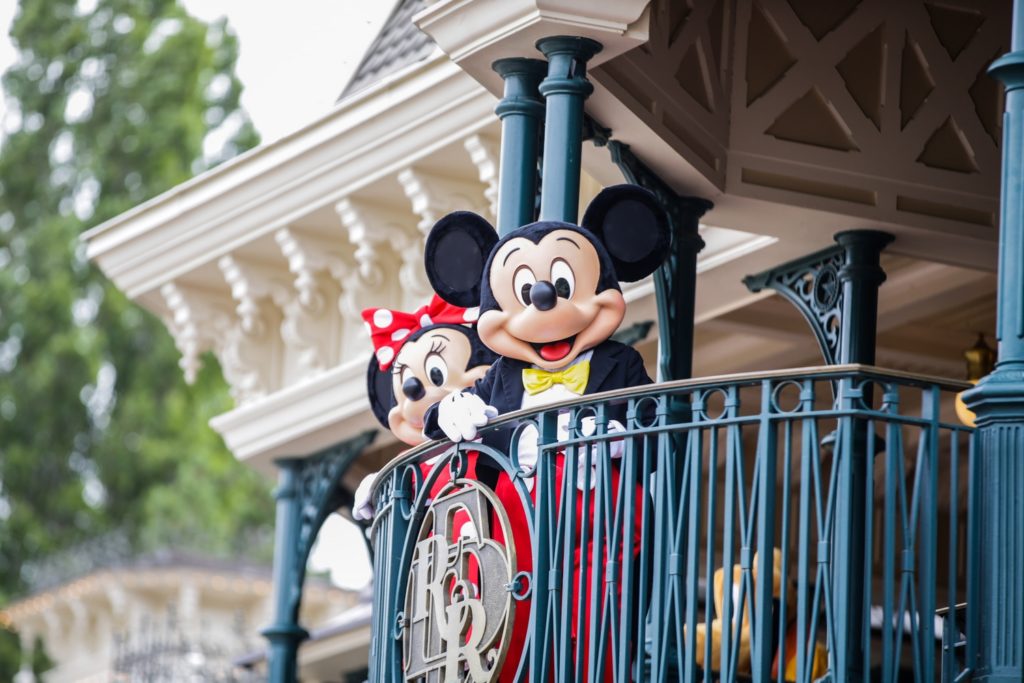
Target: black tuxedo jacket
[[612, 366]]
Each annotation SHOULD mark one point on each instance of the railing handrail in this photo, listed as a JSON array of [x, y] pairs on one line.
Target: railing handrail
[[817, 371]]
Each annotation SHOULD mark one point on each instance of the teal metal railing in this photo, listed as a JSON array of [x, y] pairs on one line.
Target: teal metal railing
[[648, 564]]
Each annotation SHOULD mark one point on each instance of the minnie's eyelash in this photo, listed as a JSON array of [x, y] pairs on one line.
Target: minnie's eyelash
[[438, 346], [397, 368]]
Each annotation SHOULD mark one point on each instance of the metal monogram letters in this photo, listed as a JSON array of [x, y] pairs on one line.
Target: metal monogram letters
[[458, 603]]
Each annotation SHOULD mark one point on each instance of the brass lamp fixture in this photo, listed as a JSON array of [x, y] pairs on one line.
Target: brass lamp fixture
[[981, 358]]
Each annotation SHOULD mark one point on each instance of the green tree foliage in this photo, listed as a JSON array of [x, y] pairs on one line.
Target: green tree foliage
[[108, 106]]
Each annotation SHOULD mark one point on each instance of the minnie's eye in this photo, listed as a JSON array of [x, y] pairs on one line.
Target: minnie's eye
[[563, 278], [437, 370], [522, 283]]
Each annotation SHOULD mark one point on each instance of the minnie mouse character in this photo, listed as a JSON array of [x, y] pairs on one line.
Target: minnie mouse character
[[418, 359], [549, 300]]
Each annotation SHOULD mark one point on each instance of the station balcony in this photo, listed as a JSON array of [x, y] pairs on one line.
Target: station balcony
[[647, 565]]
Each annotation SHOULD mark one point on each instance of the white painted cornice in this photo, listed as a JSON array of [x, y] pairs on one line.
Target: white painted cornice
[[422, 108], [475, 33], [303, 418]]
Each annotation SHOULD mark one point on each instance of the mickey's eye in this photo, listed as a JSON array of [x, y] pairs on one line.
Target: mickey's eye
[[437, 370], [563, 278], [522, 283]]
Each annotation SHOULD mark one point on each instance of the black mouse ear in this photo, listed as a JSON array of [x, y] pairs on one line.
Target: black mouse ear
[[455, 253], [380, 392], [632, 226]]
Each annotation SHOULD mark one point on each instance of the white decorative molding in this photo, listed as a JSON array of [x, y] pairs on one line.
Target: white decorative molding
[[309, 257], [202, 320], [256, 288], [433, 195], [475, 33], [383, 244], [197, 319], [312, 327], [375, 231], [267, 260], [485, 153], [302, 418], [253, 346], [364, 140]]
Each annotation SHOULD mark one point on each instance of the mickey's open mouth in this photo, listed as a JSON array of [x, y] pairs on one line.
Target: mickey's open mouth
[[554, 351]]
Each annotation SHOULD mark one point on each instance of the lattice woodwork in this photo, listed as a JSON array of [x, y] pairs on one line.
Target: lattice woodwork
[[679, 81], [870, 108], [877, 104]]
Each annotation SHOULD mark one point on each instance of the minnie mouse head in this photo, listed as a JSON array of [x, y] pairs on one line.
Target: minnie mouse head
[[549, 291], [418, 359]]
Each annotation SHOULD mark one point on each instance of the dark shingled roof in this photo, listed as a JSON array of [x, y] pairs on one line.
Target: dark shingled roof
[[397, 45]]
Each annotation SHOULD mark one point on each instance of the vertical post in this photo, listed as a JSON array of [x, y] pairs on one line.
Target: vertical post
[[675, 284], [285, 634], [998, 402], [520, 111], [564, 89], [860, 277], [675, 281]]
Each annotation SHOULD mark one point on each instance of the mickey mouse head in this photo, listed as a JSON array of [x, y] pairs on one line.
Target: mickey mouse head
[[549, 291]]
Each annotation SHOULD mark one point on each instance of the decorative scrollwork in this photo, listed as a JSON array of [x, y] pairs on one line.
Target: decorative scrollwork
[[318, 493], [813, 285]]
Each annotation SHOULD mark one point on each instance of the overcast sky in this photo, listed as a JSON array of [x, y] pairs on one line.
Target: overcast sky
[[294, 60], [294, 57]]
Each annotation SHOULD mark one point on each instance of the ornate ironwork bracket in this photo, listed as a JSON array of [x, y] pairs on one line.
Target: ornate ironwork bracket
[[320, 493], [676, 281], [836, 290], [812, 285], [310, 489]]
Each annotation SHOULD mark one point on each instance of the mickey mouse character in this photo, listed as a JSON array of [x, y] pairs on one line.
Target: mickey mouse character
[[549, 300]]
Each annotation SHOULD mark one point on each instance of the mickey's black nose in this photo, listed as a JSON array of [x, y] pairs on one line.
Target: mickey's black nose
[[413, 389], [543, 296]]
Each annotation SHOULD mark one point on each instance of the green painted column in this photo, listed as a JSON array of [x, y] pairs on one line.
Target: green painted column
[[521, 111], [998, 401], [860, 276], [675, 281], [676, 287], [285, 634], [565, 89]]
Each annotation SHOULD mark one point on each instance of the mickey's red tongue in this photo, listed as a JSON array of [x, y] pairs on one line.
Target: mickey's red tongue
[[555, 350]]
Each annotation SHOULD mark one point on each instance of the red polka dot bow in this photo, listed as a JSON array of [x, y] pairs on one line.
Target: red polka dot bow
[[389, 329]]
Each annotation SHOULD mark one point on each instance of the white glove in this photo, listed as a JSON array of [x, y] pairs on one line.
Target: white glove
[[460, 414], [362, 505], [529, 438]]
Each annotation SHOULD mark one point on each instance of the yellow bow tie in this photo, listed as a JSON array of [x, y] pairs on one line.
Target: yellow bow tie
[[574, 378]]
